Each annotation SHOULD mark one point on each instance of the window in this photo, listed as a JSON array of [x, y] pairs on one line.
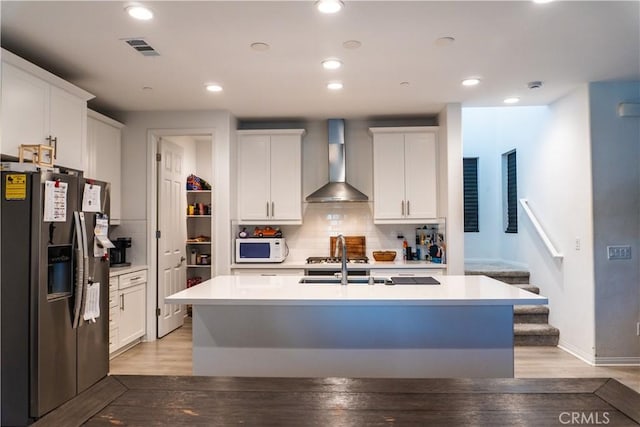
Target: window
[[510, 192], [470, 180]]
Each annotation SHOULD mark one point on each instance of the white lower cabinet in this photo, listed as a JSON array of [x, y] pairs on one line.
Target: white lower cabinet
[[127, 302]]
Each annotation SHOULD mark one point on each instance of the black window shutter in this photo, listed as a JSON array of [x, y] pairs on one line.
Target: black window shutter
[[470, 181], [512, 194]]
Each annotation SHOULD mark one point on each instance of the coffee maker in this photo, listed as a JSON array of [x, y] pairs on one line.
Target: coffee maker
[[118, 255]]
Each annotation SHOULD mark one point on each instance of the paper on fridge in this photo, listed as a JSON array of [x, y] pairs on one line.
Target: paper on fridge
[[101, 243], [55, 201], [91, 198], [92, 302]]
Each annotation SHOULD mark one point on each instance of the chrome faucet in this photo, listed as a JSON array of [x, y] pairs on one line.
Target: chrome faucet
[[343, 245]]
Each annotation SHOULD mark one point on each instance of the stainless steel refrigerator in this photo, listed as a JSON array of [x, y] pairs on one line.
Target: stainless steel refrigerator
[[50, 350]]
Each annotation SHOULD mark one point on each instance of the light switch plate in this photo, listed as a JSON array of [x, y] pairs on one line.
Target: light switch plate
[[619, 252]]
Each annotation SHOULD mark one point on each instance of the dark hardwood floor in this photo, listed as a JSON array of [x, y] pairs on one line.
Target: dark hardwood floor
[[136, 400]]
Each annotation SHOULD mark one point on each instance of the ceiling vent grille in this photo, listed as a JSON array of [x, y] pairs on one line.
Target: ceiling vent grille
[[142, 46]]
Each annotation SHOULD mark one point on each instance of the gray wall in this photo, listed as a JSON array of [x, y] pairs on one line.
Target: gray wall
[[615, 143]]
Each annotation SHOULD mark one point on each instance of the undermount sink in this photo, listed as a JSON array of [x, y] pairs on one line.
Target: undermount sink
[[363, 280]]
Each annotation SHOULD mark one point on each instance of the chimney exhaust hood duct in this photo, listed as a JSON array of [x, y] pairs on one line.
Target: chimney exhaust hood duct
[[337, 190]]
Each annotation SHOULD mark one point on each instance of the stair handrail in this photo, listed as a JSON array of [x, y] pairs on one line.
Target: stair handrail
[[543, 235]]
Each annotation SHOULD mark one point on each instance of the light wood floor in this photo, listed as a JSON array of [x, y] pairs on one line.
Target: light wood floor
[[171, 355]]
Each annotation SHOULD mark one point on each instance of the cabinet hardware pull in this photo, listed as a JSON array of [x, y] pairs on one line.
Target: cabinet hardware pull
[[55, 147], [402, 205], [273, 209], [122, 302], [267, 209], [408, 208]]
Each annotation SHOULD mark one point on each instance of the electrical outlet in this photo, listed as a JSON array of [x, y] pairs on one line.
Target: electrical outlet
[[619, 252], [577, 243]]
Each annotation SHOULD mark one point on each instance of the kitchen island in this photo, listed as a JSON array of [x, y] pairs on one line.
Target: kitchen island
[[275, 326]]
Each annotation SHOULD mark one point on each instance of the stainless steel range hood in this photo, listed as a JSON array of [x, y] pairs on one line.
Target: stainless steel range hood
[[337, 190]]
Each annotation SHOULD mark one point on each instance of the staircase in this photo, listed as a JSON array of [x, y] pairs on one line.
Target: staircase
[[530, 322]]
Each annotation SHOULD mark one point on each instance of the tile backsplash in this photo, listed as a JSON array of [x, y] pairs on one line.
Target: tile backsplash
[[323, 220]]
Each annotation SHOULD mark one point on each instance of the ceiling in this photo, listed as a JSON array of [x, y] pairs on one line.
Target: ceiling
[[505, 43]]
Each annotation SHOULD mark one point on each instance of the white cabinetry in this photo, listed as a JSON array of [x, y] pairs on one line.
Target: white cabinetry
[[270, 176], [127, 302], [104, 158], [405, 171], [40, 108]]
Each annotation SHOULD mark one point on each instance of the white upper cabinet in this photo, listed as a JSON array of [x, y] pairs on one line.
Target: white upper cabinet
[[270, 176], [104, 157], [40, 108], [405, 171]]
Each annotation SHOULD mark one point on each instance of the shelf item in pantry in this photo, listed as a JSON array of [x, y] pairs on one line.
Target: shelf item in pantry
[[192, 281], [196, 183], [199, 239]]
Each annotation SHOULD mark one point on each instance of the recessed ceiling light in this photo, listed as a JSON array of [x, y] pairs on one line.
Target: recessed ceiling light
[[445, 41], [511, 100], [335, 86], [471, 81], [351, 44], [329, 6], [138, 11], [213, 87], [260, 46], [331, 64], [542, 1]]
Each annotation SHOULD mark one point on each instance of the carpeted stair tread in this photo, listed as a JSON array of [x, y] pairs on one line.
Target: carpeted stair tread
[[534, 329], [531, 288], [530, 309]]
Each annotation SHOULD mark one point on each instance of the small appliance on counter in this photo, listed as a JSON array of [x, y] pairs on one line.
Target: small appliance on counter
[[261, 249], [118, 255]]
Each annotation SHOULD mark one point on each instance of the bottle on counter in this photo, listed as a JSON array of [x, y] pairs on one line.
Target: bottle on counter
[[405, 245]]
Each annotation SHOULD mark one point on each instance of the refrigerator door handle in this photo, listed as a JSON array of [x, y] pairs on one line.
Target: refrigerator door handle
[[82, 272], [77, 306]]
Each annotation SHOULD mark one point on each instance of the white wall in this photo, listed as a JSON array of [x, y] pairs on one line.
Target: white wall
[[138, 178], [554, 174], [616, 205], [450, 203]]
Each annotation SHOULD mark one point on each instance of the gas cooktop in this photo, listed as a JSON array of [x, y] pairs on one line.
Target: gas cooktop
[[336, 260]]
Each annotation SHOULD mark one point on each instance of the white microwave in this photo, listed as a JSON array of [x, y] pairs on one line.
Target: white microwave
[[263, 249]]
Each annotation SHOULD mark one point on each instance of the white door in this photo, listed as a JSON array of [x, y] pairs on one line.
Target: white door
[[25, 110], [286, 185], [253, 180], [420, 175], [68, 123], [388, 176], [172, 206]]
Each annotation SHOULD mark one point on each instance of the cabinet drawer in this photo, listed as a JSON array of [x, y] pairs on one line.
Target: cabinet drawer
[[113, 298], [132, 279], [406, 272]]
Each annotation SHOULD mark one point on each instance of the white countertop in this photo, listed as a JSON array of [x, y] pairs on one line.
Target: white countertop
[[117, 271], [372, 264], [285, 290]]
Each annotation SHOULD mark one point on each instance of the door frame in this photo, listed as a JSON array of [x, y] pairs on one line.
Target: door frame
[[153, 136]]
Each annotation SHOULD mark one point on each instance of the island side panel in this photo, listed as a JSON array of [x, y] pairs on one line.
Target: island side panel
[[353, 341]]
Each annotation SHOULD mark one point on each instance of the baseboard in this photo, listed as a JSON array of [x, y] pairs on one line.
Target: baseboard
[[617, 361], [587, 358], [599, 361]]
